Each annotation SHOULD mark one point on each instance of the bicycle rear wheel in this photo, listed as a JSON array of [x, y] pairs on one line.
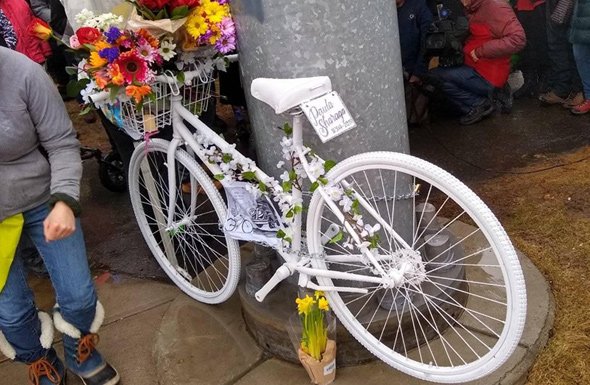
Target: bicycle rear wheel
[[460, 313], [195, 253]]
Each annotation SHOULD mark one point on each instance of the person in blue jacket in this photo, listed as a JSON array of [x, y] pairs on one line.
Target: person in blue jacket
[[414, 20]]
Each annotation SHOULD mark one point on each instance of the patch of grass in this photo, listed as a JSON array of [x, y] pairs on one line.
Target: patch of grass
[[547, 215]]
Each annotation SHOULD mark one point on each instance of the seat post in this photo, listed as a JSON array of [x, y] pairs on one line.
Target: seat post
[[298, 117]]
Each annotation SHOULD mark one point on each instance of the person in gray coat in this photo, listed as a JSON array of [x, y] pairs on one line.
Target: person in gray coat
[[45, 189]]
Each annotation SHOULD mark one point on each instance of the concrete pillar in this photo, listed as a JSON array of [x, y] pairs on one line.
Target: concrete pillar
[[355, 43]]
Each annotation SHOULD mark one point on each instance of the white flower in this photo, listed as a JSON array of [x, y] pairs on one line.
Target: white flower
[[372, 229], [167, 49], [285, 176], [346, 203], [84, 16], [335, 193], [280, 164]]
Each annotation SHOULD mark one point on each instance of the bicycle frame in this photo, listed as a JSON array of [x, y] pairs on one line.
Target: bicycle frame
[[295, 260]]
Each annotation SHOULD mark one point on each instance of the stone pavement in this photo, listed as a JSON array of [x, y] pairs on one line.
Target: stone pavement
[[155, 335]]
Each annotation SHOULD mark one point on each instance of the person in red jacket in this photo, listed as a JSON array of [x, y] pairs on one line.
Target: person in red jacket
[[19, 16], [495, 34]]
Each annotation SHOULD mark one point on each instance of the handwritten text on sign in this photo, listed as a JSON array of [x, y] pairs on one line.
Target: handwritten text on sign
[[328, 116]]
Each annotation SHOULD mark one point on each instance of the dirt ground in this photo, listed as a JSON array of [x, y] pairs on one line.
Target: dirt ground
[[545, 208]]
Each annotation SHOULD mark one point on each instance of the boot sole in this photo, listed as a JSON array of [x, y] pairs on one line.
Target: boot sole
[[113, 381]]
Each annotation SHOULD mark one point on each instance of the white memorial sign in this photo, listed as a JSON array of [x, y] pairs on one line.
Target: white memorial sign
[[328, 116]]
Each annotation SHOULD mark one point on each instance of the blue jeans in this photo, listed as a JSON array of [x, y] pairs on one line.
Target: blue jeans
[[68, 269], [582, 56], [464, 87]]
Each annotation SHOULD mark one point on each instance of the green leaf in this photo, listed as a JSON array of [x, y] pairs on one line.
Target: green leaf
[[374, 241], [86, 110], [287, 186], [249, 175], [226, 158], [288, 239], [262, 187], [179, 12], [323, 180], [292, 175], [288, 129], [314, 186], [355, 207], [74, 87], [281, 234], [328, 165], [289, 214], [71, 70], [219, 176], [162, 14], [337, 238], [297, 209], [180, 77]]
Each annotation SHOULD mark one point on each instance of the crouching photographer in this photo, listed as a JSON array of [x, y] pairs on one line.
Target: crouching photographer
[[468, 78]]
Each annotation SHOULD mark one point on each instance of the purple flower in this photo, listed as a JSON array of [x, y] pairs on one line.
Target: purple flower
[[227, 26], [109, 53], [223, 1], [226, 44], [113, 34]]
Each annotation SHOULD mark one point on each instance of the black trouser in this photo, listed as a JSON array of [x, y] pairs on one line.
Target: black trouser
[[563, 75], [533, 58]]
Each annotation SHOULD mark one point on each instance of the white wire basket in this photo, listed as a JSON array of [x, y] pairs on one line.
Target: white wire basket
[[155, 115]]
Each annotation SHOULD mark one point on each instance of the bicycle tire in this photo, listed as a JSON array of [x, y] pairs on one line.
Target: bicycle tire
[[432, 314], [198, 257]]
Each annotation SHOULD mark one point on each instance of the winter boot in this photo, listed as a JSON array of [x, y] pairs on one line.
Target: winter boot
[[80, 352]]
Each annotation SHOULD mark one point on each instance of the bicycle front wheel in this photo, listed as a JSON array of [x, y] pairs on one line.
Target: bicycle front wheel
[[194, 252], [459, 312]]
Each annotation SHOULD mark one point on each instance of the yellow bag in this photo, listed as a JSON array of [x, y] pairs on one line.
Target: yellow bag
[[10, 231]]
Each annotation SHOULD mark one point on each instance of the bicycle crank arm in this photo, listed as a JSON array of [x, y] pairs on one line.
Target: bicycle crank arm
[[282, 272], [311, 285]]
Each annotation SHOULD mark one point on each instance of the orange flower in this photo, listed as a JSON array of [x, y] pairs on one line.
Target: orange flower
[[138, 92], [96, 61], [101, 79], [151, 39], [116, 75], [40, 29]]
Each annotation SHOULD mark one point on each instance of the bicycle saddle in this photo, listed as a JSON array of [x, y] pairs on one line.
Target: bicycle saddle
[[284, 94]]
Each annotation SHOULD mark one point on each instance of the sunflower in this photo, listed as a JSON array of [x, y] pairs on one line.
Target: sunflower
[[132, 67], [96, 61]]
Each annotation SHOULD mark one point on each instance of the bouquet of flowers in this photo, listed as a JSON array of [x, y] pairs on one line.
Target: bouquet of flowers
[[312, 312], [210, 23], [317, 352], [123, 61]]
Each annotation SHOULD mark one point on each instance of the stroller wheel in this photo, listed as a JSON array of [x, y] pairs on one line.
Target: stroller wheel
[[110, 172]]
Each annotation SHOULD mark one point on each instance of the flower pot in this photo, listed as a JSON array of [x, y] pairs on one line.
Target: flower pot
[[320, 372]]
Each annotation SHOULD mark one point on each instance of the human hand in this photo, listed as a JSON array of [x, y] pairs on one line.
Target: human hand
[[474, 56], [60, 223], [415, 80]]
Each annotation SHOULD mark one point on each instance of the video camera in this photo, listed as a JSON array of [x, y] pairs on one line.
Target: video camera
[[445, 38]]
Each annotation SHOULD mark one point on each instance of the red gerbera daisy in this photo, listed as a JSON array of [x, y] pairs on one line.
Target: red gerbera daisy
[[132, 66]]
